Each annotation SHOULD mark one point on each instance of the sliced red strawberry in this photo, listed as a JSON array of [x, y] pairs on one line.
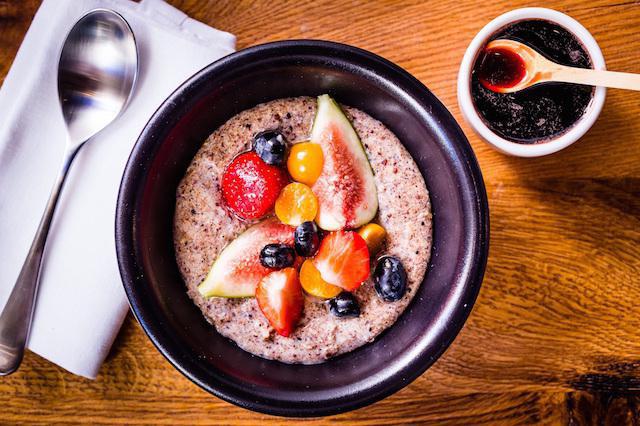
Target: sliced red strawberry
[[250, 186], [343, 260], [280, 299]]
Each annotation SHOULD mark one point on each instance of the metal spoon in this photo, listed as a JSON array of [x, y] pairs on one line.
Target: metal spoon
[[541, 70], [96, 74]]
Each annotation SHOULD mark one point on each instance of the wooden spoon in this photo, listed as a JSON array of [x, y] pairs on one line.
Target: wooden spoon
[[539, 69]]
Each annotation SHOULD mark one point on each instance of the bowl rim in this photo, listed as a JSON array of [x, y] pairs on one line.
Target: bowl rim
[[470, 113], [475, 258]]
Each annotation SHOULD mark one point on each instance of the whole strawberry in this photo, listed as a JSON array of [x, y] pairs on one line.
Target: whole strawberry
[[250, 186]]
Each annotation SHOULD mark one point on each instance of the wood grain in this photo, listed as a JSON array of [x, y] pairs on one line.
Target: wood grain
[[555, 335]]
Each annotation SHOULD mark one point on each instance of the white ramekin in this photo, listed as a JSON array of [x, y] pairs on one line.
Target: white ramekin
[[464, 83]]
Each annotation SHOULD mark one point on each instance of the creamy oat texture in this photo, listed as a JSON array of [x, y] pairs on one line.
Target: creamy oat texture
[[203, 227]]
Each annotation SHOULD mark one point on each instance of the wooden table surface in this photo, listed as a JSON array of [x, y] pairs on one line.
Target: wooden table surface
[[555, 334]]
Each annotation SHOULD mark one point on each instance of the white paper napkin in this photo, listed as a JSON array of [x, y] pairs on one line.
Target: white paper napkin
[[81, 303]]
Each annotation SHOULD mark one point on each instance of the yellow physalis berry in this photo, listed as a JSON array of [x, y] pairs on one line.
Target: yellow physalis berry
[[305, 162], [374, 235], [313, 283], [296, 204]]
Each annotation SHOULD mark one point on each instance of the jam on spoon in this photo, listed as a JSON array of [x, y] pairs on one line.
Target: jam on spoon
[[500, 68]]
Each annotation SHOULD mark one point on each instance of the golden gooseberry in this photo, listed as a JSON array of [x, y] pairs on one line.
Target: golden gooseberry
[[313, 284], [296, 204], [305, 162], [374, 235]]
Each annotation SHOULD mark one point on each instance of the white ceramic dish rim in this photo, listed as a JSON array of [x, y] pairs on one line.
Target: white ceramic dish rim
[[472, 116]]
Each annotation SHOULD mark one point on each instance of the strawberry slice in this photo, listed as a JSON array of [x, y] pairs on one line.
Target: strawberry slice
[[280, 299], [343, 260], [250, 186]]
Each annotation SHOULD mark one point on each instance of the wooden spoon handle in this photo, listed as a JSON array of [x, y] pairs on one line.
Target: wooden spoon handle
[[618, 80]]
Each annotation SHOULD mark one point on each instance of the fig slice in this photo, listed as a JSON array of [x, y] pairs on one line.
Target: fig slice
[[346, 190], [237, 270]]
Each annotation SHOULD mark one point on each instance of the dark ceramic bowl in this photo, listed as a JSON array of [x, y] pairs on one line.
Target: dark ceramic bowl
[[146, 205]]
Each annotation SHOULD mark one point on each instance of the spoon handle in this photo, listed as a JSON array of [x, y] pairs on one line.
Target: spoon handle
[[617, 80], [15, 320]]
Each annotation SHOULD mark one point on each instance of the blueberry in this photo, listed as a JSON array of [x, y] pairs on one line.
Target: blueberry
[[277, 256], [306, 239], [344, 305], [390, 279], [271, 146]]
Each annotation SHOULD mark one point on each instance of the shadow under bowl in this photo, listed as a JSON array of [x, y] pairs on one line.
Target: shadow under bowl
[[146, 205]]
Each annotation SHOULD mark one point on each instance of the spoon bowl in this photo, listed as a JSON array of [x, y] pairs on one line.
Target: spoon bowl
[[529, 59], [96, 73]]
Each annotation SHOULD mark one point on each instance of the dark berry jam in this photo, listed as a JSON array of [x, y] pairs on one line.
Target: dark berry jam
[[541, 112], [500, 68]]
